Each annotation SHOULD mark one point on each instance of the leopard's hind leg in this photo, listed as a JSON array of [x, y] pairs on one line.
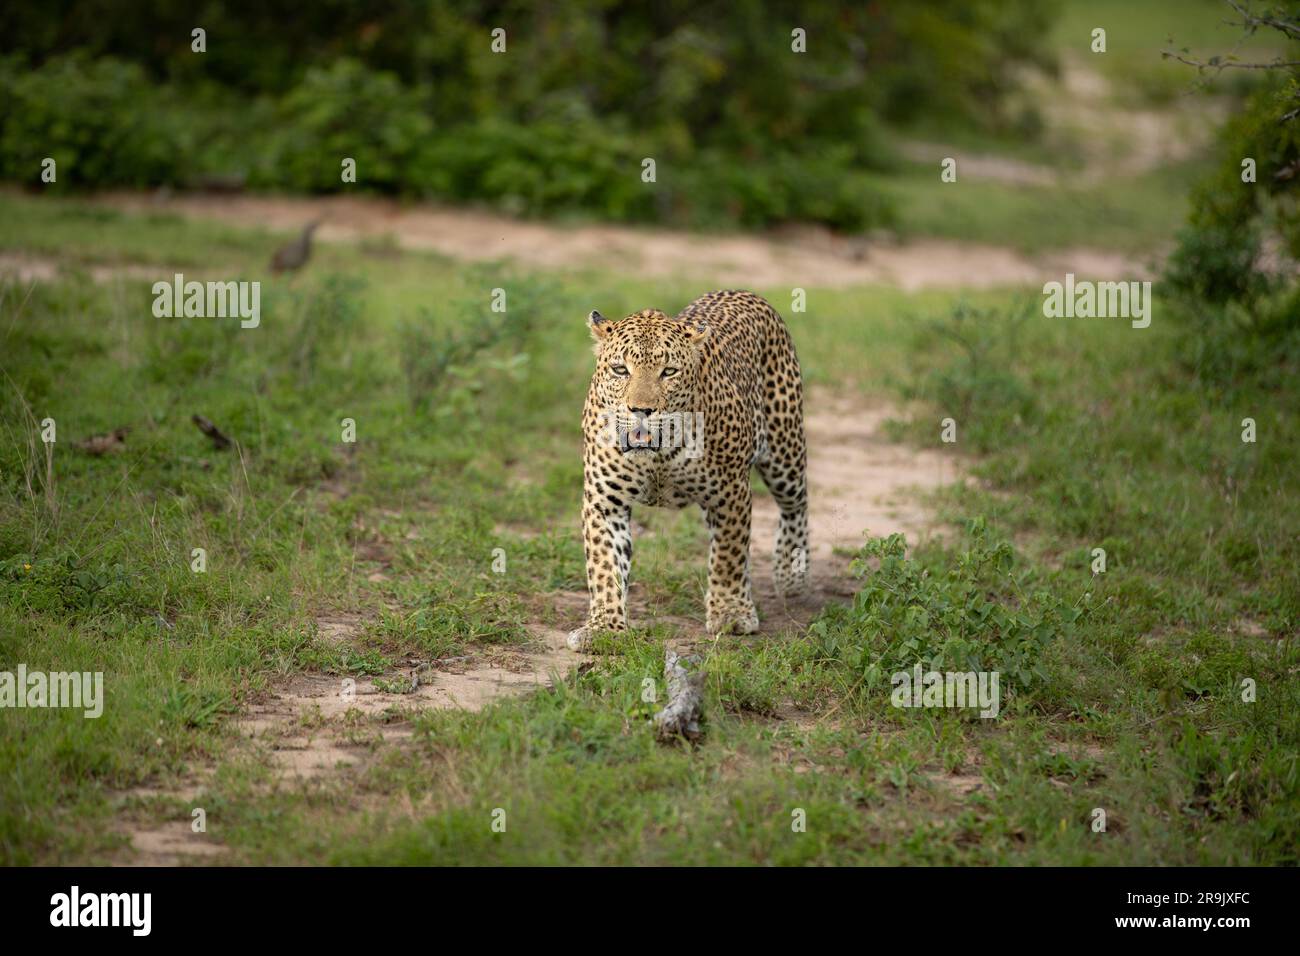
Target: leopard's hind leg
[[784, 469]]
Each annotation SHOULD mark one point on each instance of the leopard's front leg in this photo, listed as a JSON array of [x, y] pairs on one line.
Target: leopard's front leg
[[729, 606], [607, 544]]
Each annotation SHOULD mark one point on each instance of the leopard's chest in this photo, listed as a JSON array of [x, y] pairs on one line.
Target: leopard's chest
[[670, 483]]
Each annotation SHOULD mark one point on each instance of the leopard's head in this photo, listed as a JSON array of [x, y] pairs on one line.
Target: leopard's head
[[647, 375]]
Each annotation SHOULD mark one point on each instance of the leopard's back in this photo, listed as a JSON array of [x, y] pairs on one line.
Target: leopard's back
[[751, 388]]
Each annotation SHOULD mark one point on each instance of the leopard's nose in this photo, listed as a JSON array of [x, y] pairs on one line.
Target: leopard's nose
[[643, 412]]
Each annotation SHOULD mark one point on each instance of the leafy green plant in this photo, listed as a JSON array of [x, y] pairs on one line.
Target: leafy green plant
[[65, 579], [970, 618]]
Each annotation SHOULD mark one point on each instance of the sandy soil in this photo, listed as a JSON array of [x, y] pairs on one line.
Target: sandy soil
[[27, 268], [804, 256], [314, 726], [303, 723], [860, 485]]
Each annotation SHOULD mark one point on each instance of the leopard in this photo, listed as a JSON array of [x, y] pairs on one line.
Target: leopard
[[678, 412]]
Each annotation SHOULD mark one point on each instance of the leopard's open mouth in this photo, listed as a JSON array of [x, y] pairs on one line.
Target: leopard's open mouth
[[638, 435], [640, 432]]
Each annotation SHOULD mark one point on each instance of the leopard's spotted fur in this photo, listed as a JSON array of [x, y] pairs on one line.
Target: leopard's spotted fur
[[727, 356]]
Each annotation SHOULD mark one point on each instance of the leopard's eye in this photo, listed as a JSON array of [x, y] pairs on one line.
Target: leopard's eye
[[620, 370], [669, 372]]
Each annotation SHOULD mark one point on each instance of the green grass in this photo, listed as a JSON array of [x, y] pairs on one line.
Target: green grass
[[1138, 33], [1083, 433], [1130, 215], [1141, 29]]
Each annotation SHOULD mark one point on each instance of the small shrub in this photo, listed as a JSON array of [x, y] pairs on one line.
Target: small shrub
[[970, 618]]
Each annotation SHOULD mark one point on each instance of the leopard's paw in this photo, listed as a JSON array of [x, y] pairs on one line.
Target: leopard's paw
[[792, 587], [732, 621], [790, 573], [580, 640]]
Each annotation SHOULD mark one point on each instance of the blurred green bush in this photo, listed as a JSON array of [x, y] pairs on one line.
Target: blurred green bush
[[77, 110], [742, 128], [1234, 264]]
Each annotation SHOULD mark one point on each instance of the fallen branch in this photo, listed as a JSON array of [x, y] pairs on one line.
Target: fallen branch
[[109, 443], [220, 441], [681, 715]]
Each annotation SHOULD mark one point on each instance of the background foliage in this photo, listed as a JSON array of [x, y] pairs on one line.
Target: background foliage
[[561, 121]]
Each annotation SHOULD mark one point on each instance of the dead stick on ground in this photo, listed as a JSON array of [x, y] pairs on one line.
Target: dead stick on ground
[[212, 431], [681, 715]]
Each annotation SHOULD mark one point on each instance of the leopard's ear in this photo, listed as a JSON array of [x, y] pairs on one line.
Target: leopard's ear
[[599, 325]]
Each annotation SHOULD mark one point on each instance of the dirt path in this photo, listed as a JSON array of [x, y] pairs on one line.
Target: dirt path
[[1079, 108], [860, 485], [27, 268], [1109, 141], [315, 728], [798, 256]]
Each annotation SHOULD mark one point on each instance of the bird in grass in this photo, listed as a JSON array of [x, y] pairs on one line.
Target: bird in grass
[[292, 257]]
